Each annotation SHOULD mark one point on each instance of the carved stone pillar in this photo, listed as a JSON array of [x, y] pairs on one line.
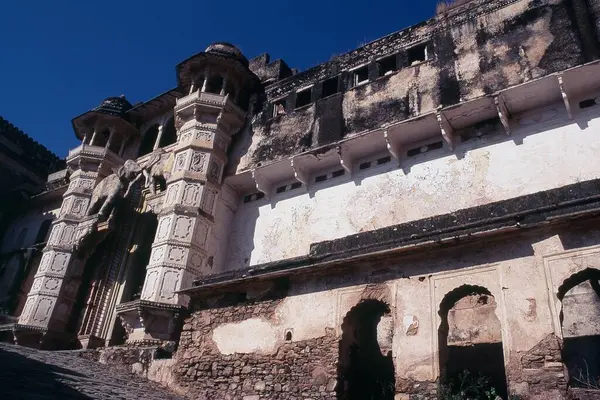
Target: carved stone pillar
[[180, 250], [49, 302]]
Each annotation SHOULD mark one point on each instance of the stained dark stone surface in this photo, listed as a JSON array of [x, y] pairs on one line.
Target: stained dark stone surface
[[34, 374]]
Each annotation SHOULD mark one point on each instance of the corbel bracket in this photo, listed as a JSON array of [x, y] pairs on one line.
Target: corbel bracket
[[565, 96], [299, 173], [446, 129], [394, 150], [345, 159], [503, 113], [263, 185]]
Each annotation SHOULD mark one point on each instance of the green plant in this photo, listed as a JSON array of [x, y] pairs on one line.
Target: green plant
[[467, 386]]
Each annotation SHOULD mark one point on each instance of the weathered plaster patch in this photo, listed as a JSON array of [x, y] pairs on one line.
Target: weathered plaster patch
[[253, 335]]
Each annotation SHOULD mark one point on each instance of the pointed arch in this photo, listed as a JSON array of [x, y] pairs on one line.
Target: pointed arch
[[363, 371], [579, 295], [470, 340]]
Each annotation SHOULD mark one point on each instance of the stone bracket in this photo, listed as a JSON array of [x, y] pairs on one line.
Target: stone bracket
[[345, 159], [503, 113], [394, 149], [299, 173], [446, 129], [262, 184], [565, 96]]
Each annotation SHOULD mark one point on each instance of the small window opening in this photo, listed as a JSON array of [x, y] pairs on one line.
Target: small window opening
[[148, 141], [304, 98], [253, 197], [330, 87], [587, 103], [169, 134], [364, 165], [281, 189], [288, 336], [43, 231], [384, 160], [417, 54], [387, 65], [321, 178], [338, 173], [425, 149], [215, 84], [296, 185], [279, 108], [360, 75]]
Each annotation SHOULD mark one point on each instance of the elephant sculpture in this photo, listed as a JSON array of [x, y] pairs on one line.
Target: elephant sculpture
[[112, 189], [157, 170]]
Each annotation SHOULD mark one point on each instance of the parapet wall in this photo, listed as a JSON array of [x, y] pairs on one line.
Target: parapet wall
[[474, 50]]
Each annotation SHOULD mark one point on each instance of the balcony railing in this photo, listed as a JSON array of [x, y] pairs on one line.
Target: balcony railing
[[209, 99], [94, 152]]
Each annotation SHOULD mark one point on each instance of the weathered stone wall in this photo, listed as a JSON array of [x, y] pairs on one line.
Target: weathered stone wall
[[475, 50], [293, 370], [546, 150], [238, 348]]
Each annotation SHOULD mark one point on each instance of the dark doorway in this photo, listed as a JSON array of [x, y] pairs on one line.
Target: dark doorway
[[470, 344], [147, 229], [580, 322], [169, 133], [363, 372], [148, 141]]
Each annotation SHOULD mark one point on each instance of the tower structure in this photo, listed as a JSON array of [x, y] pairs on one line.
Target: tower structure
[[219, 84], [104, 132]]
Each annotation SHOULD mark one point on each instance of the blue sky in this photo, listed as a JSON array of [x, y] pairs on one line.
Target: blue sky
[[61, 58]]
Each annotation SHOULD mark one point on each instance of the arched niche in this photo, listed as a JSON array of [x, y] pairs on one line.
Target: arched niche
[[470, 343], [136, 275], [169, 133], [148, 140], [580, 323], [363, 371]]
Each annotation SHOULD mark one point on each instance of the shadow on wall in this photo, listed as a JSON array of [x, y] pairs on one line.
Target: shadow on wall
[[363, 372], [580, 301], [24, 378]]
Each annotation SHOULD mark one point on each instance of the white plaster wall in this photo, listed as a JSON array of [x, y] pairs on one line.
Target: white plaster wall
[[554, 152], [306, 315]]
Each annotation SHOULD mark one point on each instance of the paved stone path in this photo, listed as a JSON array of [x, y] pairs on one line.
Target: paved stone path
[[34, 374]]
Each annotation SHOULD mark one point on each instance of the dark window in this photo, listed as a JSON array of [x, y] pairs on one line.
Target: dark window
[[384, 160], [279, 108], [281, 189], [330, 86], [296, 185], [360, 75], [321, 178], [364, 165], [169, 134], [425, 149], [148, 141], [304, 98], [338, 173], [215, 84], [417, 54], [43, 232], [587, 103], [387, 65], [288, 336]]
